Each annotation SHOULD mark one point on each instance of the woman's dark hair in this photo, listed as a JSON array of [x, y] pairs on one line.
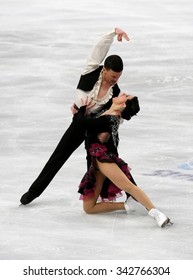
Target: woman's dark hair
[[131, 109], [114, 62]]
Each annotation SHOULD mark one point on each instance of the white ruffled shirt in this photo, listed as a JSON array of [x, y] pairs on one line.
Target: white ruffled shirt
[[95, 59]]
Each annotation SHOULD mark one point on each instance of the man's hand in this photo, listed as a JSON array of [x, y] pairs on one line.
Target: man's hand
[[103, 137], [121, 34]]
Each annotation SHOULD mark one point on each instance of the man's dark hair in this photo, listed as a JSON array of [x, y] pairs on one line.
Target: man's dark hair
[[114, 63]]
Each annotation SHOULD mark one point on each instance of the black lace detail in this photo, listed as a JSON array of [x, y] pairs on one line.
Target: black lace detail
[[115, 122]]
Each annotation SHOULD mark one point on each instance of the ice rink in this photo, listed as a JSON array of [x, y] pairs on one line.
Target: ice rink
[[43, 49]]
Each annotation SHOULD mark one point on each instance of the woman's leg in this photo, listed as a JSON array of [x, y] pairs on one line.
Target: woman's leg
[[91, 206], [116, 175]]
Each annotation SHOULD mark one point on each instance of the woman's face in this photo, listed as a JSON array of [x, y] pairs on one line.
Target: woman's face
[[121, 99]]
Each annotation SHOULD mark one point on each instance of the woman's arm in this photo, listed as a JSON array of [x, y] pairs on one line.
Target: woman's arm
[[96, 125]]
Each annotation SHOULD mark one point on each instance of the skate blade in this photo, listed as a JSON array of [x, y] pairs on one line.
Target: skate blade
[[167, 223]]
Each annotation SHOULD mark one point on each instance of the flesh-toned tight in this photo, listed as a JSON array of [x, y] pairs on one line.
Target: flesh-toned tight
[[116, 175]]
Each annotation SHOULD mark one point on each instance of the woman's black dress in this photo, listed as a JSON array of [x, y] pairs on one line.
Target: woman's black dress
[[103, 152]]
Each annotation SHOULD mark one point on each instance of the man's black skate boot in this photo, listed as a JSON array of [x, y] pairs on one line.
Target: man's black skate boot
[[27, 198]]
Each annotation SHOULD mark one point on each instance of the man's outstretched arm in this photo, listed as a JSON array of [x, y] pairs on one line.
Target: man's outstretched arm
[[102, 47]]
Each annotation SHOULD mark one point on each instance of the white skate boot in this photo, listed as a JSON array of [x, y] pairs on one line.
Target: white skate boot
[[129, 205], [159, 217]]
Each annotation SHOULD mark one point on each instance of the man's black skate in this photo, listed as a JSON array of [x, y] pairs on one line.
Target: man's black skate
[[27, 198]]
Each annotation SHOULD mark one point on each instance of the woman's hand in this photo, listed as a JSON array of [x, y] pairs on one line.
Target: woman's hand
[[74, 109], [85, 102], [88, 103]]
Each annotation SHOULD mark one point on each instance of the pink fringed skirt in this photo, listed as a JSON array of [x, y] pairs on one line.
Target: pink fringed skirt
[[87, 185]]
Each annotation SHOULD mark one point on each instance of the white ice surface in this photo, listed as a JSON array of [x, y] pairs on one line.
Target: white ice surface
[[43, 48]]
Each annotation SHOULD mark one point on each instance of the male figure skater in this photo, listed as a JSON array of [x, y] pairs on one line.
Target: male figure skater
[[98, 82]]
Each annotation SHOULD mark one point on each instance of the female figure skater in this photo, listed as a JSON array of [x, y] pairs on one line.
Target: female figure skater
[[101, 144]]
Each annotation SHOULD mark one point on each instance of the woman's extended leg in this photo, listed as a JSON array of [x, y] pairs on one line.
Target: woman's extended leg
[[116, 175], [91, 206]]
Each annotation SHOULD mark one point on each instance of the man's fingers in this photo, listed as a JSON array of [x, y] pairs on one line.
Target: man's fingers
[[126, 36], [121, 36]]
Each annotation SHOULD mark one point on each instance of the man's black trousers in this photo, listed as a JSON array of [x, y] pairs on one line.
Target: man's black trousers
[[71, 140]]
